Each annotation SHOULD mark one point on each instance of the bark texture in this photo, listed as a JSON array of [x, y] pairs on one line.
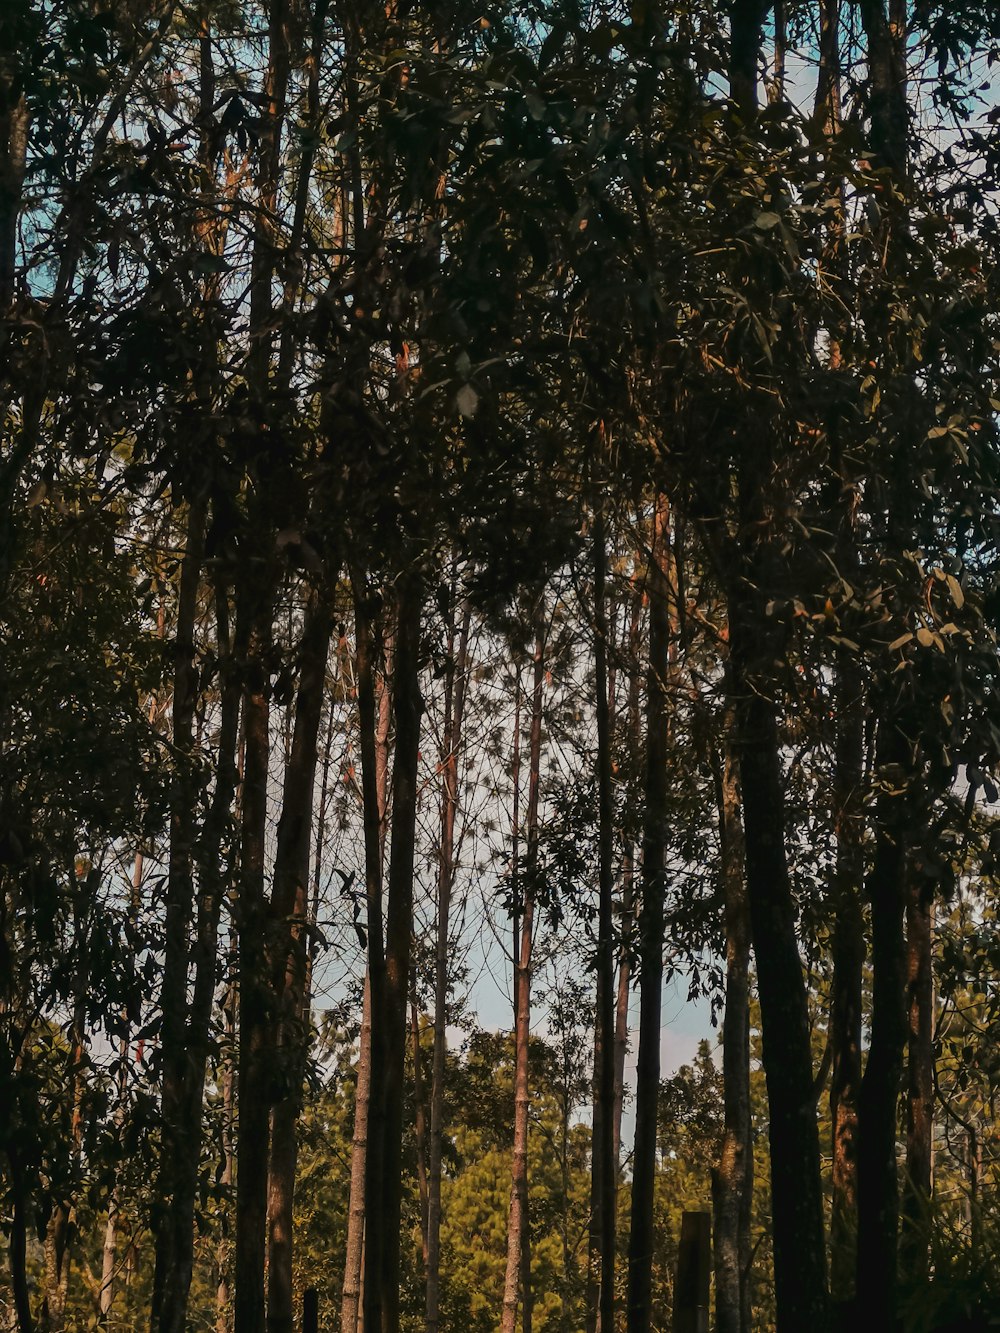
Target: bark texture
[[846, 999], [604, 1172], [878, 1186], [518, 1273], [756, 645], [650, 928], [627, 926], [455, 686], [178, 1153], [374, 719], [383, 1292], [254, 1081], [732, 1179], [368, 1238], [918, 1182], [288, 957]]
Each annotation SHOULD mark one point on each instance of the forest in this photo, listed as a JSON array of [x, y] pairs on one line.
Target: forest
[[499, 527]]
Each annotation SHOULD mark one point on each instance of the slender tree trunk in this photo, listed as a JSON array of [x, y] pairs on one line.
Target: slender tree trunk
[[799, 1251], [176, 1150], [848, 949], [746, 21], [974, 1171], [776, 86], [179, 1219], [224, 1312], [65, 1213], [109, 1251], [322, 815], [518, 1273], [407, 710], [604, 1173], [18, 1245], [223, 1294], [628, 895], [885, 32], [732, 1179], [878, 1193], [365, 1241], [54, 1253], [420, 1125], [375, 767], [288, 950], [350, 1307], [265, 239], [846, 1002], [109, 1254], [455, 687], [654, 844], [15, 130], [186, 1040], [61, 1228], [255, 1077], [828, 91], [15, 121], [914, 1258], [797, 1201], [254, 1082]]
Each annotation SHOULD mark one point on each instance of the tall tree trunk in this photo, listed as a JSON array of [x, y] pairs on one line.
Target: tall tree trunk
[[265, 236], [848, 947], [407, 710], [746, 22], [776, 84], [288, 950], [654, 844], [179, 1220], [254, 1074], [224, 1312], [61, 1230], [419, 1123], [604, 1173], [350, 1306], [223, 1293], [375, 767], [628, 890], [15, 121], [974, 1171], [518, 1272], [18, 1244], [885, 32], [732, 1178], [177, 1152], [914, 1258], [187, 1036], [846, 1001], [878, 1191], [755, 647], [254, 1079], [109, 1253], [828, 75], [455, 688], [15, 130]]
